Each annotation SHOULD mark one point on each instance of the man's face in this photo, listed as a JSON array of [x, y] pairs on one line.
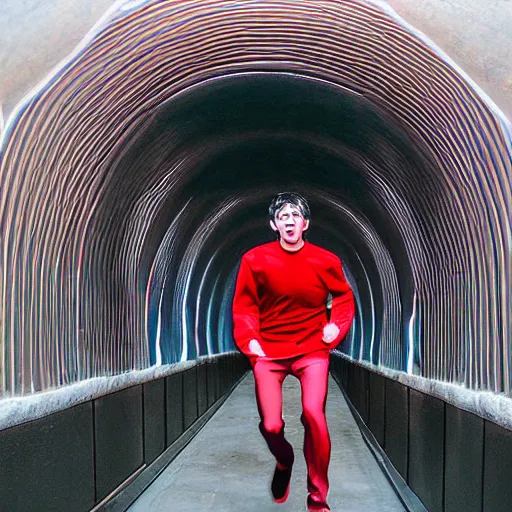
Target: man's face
[[290, 224]]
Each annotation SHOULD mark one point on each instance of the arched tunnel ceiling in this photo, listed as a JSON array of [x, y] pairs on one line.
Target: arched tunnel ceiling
[[36, 36], [135, 179]]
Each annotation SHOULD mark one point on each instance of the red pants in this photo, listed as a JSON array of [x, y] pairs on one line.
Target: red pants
[[312, 370]]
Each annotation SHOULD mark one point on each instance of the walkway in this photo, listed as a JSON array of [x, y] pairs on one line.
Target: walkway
[[227, 466]]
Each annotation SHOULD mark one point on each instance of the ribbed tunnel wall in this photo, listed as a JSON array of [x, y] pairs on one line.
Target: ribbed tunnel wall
[[133, 181]]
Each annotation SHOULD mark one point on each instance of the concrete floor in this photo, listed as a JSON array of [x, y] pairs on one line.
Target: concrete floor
[[227, 466]]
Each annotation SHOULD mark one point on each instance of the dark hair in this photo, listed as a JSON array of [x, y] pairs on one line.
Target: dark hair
[[292, 198]]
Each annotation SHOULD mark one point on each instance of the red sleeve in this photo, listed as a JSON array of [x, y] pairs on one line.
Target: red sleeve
[[342, 309], [246, 315]]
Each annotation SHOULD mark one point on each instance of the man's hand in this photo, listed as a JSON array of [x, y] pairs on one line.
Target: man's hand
[[255, 348], [331, 332]]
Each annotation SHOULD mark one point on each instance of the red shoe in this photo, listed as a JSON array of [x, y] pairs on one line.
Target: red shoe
[[317, 507], [281, 483]]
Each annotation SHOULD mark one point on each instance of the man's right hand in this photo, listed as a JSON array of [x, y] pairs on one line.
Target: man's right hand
[[255, 348]]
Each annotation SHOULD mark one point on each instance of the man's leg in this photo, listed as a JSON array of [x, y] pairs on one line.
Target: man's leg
[[313, 372], [269, 376]]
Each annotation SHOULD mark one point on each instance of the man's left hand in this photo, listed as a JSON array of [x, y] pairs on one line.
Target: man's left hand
[[331, 332]]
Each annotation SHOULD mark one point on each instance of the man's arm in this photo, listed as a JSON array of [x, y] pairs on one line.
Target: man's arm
[[246, 315], [342, 309]]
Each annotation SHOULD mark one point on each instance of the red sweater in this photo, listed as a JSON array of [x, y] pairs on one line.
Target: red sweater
[[280, 300]]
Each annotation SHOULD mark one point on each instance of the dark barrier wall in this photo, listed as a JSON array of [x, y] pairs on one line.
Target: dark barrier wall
[[453, 460], [73, 459]]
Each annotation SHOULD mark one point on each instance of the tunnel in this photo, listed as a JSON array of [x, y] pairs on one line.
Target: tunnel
[[138, 171]]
